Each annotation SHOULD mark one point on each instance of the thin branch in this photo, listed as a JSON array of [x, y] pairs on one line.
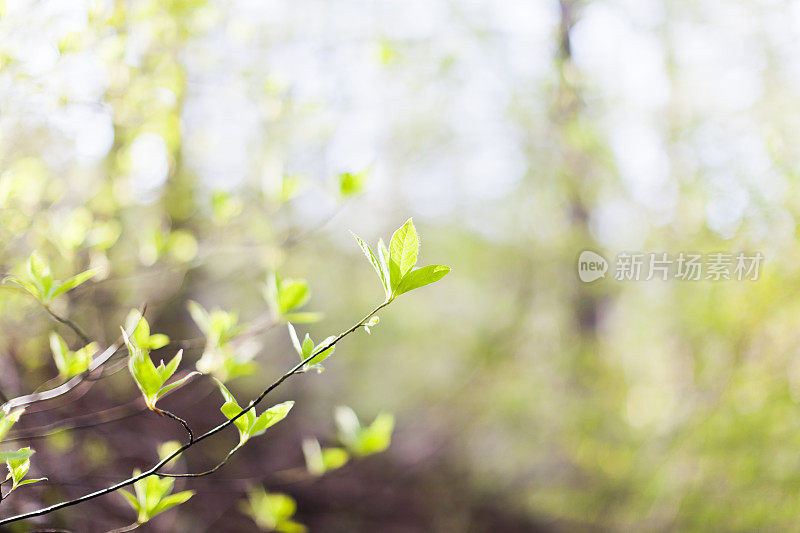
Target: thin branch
[[155, 468], [95, 419], [75, 381], [69, 323], [207, 472], [64, 387]]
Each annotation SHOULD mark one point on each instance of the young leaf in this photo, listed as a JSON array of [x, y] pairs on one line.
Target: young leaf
[[371, 323], [360, 440], [73, 282], [351, 184], [18, 465], [166, 389], [19, 455], [322, 354], [313, 456], [403, 251], [41, 284], [150, 379], [272, 511], [7, 421], [251, 425], [295, 341], [153, 497], [270, 417], [319, 461], [307, 347], [285, 296], [71, 363], [377, 437], [333, 458], [293, 293], [375, 264], [421, 277], [144, 372], [219, 358], [200, 317], [231, 408], [347, 424]]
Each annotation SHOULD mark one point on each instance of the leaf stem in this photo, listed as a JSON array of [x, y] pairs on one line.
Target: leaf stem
[[129, 527]]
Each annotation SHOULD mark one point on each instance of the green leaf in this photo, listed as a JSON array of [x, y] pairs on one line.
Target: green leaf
[[139, 328], [226, 394], [70, 363], [167, 371], [153, 496], [7, 421], [30, 481], [313, 456], [403, 251], [156, 341], [377, 437], [231, 409], [270, 417], [292, 293], [171, 501], [200, 316], [27, 286], [333, 458], [166, 389], [19, 455], [347, 425], [351, 184], [307, 347], [421, 277], [391, 269], [73, 282], [61, 353], [319, 461], [38, 270], [360, 440], [272, 511], [131, 500], [322, 354], [295, 341], [18, 465], [375, 264], [144, 373]]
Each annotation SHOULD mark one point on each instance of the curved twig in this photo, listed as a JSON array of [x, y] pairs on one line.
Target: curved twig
[[210, 471], [183, 422], [69, 323]]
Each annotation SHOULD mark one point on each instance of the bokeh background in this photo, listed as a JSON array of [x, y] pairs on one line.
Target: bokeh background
[[187, 148]]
